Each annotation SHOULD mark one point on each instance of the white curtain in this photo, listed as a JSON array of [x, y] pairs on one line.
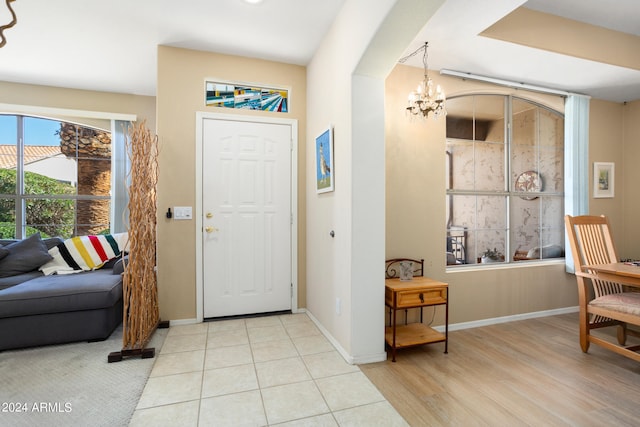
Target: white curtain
[[576, 162], [119, 176]]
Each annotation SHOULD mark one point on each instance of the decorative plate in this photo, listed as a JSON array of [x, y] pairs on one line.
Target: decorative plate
[[529, 181]]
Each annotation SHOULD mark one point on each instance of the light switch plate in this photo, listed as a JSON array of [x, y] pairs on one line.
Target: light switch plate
[[182, 212]]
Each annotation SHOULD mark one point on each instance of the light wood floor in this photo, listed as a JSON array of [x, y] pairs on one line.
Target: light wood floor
[[530, 372]]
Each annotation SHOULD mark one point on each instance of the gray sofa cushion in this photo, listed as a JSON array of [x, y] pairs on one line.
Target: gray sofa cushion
[[49, 242], [3, 252], [55, 294], [121, 263], [24, 256], [7, 282]]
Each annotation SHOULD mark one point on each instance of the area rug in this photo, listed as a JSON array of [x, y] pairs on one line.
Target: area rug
[[72, 384]]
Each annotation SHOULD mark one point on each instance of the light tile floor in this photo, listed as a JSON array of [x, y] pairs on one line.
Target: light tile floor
[[265, 371]]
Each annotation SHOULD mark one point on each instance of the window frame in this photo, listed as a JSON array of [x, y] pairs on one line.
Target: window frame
[[117, 199], [508, 192]]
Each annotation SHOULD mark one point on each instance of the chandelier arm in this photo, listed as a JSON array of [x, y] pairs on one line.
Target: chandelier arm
[[14, 21]]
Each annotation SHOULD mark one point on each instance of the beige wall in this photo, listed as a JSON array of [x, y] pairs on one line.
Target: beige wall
[[74, 99], [415, 207], [606, 145], [180, 94], [628, 176]]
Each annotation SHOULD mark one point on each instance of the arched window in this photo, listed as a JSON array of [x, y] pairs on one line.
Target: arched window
[[505, 187]]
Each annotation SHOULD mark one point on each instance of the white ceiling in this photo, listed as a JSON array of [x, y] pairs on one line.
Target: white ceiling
[[454, 44], [112, 45]]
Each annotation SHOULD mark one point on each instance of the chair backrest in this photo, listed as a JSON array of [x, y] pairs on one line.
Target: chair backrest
[[591, 243], [392, 267]]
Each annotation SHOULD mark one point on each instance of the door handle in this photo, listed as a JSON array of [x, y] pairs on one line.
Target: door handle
[[210, 229]]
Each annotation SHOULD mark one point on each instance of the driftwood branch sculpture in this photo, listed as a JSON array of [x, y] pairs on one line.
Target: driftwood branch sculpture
[[14, 21], [141, 313]]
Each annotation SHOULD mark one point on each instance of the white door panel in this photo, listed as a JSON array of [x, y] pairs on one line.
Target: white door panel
[[247, 201]]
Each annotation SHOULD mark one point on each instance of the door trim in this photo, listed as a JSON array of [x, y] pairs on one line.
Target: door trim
[[200, 117]]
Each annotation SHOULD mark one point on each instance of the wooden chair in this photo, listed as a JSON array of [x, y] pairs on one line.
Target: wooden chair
[[602, 303], [392, 271]]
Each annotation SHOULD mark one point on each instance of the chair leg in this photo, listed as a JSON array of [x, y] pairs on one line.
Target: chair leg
[[584, 331], [622, 333]]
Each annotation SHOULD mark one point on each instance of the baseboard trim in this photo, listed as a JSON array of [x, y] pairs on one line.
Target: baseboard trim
[[179, 322], [505, 319], [345, 355], [372, 358]]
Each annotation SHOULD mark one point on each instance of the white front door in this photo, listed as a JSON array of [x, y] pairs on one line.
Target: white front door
[[246, 217]]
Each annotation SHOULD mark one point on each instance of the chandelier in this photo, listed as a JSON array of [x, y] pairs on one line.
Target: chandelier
[[13, 22], [425, 99]]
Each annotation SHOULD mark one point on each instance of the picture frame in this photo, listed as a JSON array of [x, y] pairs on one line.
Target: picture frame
[[246, 96], [603, 180], [325, 170]]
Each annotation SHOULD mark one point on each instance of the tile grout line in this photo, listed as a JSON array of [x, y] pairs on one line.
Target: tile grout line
[[255, 370], [204, 361]]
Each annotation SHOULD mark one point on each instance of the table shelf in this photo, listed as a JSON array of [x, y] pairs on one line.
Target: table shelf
[[413, 334]]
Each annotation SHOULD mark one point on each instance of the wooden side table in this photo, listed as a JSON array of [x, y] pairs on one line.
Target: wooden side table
[[417, 293]]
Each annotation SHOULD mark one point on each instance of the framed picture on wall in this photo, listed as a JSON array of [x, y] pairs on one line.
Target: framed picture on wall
[[603, 182], [324, 161]]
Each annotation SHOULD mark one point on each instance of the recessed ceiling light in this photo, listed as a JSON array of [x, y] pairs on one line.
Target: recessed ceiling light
[[253, 1]]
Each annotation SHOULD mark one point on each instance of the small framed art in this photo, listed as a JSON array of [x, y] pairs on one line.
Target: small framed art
[[246, 97], [325, 169], [603, 182]]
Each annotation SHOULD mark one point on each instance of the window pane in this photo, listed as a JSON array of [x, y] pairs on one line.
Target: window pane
[[460, 167], [491, 212], [8, 130], [7, 181], [537, 149], [537, 230], [91, 148], [489, 166], [85, 142], [8, 154], [525, 225], [462, 211], [35, 183], [94, 177], [475, 142], [551, 142], [489, 241], [7, 219], [47, 169], [93, 217], [460, 118], [50, 217], [552, 226], [481, 220]]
